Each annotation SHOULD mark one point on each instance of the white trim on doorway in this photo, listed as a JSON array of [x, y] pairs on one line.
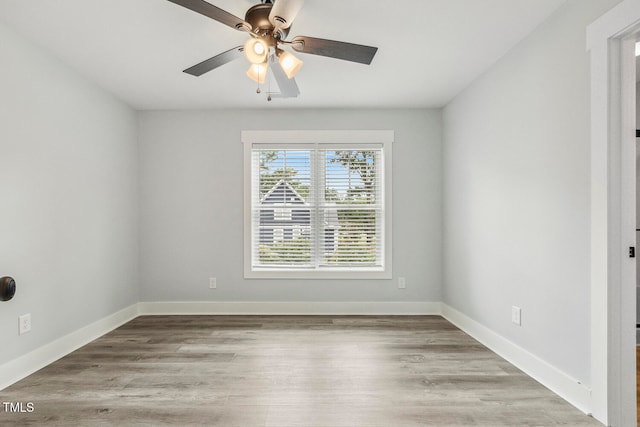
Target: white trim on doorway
[[610, 41]]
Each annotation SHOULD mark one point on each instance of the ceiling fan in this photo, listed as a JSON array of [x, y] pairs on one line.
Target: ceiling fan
[[268, 26]]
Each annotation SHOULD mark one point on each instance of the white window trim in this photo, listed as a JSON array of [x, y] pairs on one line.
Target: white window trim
[[352, 137]]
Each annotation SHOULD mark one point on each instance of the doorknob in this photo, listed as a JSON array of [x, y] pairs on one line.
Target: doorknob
[[7, 288]]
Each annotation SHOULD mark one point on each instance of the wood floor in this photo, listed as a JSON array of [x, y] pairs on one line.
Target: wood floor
[[286, 371]]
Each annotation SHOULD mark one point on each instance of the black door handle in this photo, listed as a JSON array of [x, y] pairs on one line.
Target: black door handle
[[7, 288]]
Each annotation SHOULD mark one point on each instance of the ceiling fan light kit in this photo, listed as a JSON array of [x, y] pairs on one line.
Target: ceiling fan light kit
[[258, 72], [290, 64], [256, 51], [268, 24]]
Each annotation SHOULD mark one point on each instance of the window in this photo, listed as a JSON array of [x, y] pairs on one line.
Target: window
[[317, 204]]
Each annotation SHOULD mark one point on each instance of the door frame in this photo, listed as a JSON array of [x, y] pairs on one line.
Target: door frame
[[611, 41]]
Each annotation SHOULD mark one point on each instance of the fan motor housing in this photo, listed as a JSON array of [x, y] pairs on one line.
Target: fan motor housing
[[258, 17]]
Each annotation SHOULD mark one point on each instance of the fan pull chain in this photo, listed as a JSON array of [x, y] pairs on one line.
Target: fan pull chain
[[258, 89], [269, 86]]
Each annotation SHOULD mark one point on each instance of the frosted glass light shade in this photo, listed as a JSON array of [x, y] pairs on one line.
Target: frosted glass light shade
[[256, 51], [258, 72], [290, 64]]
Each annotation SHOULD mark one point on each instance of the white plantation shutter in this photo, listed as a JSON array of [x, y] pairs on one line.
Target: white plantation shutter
[[317, 208]]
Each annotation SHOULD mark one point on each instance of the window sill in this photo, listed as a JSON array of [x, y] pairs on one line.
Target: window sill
[[318, 275]]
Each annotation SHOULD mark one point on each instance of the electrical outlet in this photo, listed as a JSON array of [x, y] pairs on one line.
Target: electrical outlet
[[24, 323], [402, 283], [212, 283], [516, 315]]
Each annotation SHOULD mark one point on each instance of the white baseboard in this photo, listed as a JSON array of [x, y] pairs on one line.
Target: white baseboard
[[570, 389], [290, 308], [19, 368]]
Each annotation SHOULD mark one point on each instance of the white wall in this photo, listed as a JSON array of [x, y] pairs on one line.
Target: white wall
[[191, 206], [516, 193], [68, 230]]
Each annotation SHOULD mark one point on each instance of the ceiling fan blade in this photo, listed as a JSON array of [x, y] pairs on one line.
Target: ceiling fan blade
[[284, 12], [334, 49], [215, 62], [207, 9], [288, 87]]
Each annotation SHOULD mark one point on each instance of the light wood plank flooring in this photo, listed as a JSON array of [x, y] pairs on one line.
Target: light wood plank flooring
[[286, 371]]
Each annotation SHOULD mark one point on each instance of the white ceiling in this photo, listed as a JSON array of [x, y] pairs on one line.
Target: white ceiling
[[429, 50]]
